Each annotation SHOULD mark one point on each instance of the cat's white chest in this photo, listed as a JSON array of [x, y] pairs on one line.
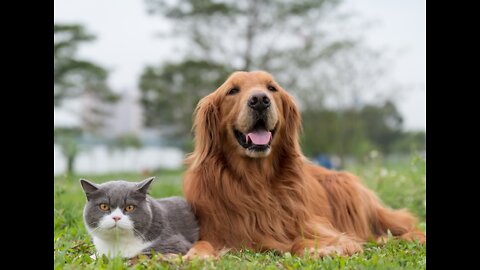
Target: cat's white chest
[[126, 246], [120, 241]]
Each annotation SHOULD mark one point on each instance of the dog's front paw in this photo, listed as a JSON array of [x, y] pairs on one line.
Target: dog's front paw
[[201, 250], [197, 256], [324, 251], [343, 248]]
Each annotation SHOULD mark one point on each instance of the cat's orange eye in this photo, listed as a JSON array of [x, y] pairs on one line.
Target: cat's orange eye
[[104, 207], [129, 208]]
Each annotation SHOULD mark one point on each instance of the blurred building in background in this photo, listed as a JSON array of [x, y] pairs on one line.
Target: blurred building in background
[[99, 153], [126, 116]]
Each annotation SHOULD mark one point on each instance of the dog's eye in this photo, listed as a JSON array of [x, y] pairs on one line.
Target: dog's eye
[[272, 88], [234, 91]]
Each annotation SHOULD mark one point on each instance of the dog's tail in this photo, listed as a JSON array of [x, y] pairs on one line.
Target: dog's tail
[[401, 223]]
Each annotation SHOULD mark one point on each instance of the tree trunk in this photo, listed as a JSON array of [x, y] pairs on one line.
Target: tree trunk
[[70, 163], [250, 35]]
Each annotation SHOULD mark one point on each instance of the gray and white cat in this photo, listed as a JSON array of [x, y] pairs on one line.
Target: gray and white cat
[[124, 221]]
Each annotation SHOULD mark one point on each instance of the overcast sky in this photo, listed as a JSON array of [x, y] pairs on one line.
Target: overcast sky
[[126, 42]]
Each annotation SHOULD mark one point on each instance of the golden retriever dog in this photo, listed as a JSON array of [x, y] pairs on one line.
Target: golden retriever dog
[[251, 187]]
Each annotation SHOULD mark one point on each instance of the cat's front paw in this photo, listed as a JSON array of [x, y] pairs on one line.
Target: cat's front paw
[[170, 257]]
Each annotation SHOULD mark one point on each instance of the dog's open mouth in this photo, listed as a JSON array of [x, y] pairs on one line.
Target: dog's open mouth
[[257, 139]]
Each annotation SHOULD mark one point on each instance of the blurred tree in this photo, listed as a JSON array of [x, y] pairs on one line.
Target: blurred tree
[[383, 125], [125, 141], [255, 34], [410, 142], [355, 131], [74, 78], [171, 92], [67, 139], [334, 132], [293, 39]]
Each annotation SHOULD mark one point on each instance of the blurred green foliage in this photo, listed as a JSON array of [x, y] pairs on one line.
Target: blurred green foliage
[[74, 77], [125, 141], [357, 131]]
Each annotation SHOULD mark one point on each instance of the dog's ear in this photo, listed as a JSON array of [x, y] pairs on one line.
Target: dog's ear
[[206, 130], [293, 122]]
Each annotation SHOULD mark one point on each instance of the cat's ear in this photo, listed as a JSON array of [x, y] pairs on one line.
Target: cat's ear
[[145, 184], [88, 187]]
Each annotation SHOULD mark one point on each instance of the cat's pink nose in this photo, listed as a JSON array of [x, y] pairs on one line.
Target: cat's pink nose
[[116, 218]]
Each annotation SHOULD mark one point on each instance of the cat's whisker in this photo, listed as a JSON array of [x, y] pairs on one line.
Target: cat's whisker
[[94, 229], [98, 229], [139, 234]]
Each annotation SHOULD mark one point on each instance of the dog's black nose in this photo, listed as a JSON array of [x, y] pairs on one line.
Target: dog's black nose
[[259, 102]]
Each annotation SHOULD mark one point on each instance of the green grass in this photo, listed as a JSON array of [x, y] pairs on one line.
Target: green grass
[[399, 185]]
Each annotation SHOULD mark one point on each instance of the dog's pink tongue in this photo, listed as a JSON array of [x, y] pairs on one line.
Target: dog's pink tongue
[[259, 137]]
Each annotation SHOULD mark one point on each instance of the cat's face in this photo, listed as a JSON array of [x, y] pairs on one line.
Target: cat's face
[[116, 207]]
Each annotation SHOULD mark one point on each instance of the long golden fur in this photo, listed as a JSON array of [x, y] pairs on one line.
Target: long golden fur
[[275, 199]]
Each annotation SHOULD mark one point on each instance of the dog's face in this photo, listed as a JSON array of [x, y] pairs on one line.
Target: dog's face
[[249, 114], [251, 109]]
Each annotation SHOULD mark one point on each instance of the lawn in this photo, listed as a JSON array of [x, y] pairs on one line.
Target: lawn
[[399, 184]]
